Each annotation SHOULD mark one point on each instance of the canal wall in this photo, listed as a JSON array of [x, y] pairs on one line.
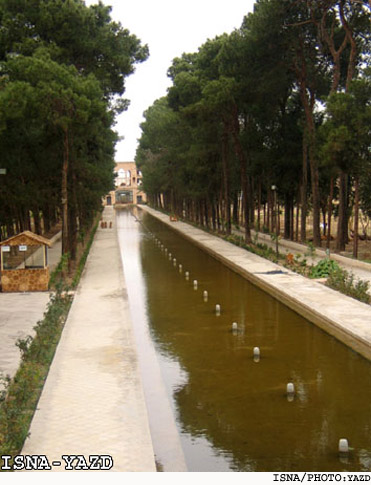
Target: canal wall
[[344, 318]]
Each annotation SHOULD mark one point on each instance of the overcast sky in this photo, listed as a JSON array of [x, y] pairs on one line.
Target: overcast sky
[[169, 27]]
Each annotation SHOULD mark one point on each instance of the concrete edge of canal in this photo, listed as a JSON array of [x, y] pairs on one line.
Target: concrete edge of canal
[[344, 318]]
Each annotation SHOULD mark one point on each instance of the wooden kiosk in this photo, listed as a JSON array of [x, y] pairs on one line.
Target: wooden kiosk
[[24, 263]]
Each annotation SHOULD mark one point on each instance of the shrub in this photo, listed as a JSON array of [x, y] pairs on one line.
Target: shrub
[[345, 282], [323, 268]]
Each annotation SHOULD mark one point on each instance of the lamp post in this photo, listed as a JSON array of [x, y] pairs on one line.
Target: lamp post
[[274, 189]]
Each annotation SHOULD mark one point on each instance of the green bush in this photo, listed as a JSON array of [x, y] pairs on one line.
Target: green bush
[[323, 268], [346, 283]]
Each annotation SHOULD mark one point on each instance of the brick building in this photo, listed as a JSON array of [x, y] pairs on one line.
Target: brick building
[[128, 183]]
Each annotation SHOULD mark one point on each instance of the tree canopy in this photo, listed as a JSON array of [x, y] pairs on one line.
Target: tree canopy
[[63, 67], [262, 107]]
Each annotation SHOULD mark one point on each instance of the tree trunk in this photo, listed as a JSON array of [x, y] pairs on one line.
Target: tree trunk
[[252, 201], [304, 184], [46, 219], [308, 101], [259, 203], [72, 213], [352, 60], [36, 219], [72, 232], [235, 209], [316, 204], [356, 218], [287, 218], [265, 216], [329, 213], [270, 212], [342, 231], [297, 214], [64, 193], [245, 182], [207, 220], [314, 174], [213, 215], [9, 230], [323, 209], [227, 206], [218, 215]]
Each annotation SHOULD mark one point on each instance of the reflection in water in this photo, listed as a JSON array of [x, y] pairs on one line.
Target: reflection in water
[[169, 455], [233, 413]]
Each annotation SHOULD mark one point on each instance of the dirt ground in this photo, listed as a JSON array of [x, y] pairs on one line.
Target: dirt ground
[[364, 247], [364, 250]]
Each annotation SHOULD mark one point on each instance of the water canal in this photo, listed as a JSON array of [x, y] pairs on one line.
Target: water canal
[[232, 413]]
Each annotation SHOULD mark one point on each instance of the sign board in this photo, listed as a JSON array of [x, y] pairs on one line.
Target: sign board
[[2, 171], [22, 248], [5, 249]]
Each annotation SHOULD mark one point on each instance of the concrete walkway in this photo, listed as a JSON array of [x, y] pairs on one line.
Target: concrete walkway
[[93, 402], [19, 313], [343, 317]]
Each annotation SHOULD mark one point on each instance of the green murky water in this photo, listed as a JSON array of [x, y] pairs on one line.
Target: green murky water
[[233, 413]]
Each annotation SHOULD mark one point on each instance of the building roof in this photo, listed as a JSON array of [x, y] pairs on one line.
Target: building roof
[[124, 165], [26, 238]]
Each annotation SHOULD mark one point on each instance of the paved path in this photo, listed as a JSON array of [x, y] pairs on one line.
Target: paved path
[[19, 313], [341, 316], [93, 402]]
